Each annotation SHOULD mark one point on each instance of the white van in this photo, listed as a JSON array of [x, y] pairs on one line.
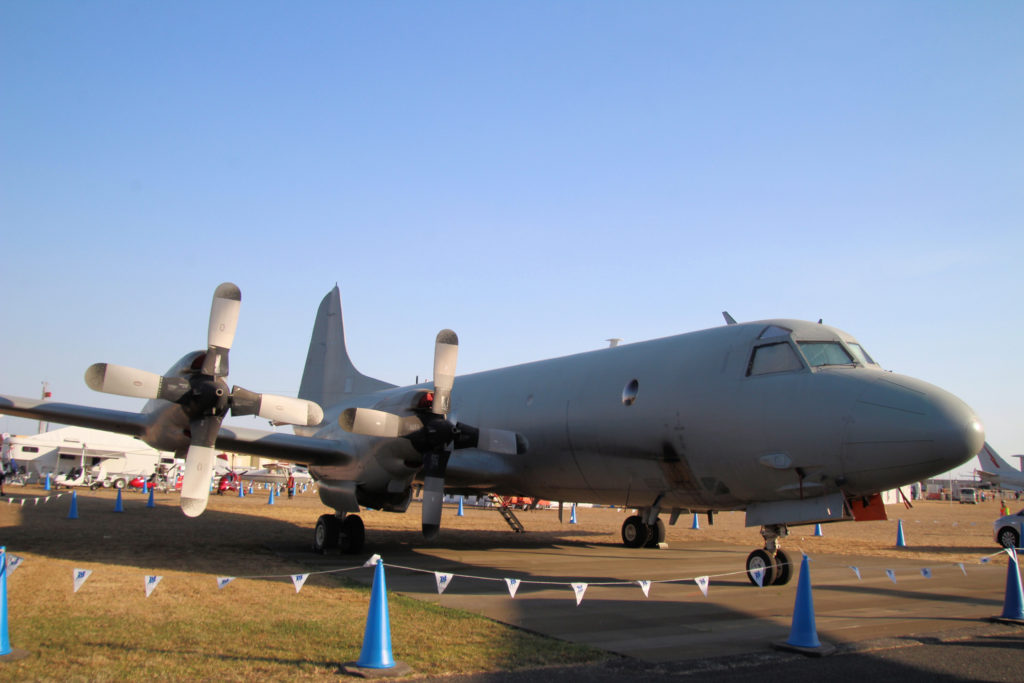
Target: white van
[[968, 496]]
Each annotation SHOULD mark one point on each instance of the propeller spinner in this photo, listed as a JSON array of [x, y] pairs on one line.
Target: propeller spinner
[[204, 397]]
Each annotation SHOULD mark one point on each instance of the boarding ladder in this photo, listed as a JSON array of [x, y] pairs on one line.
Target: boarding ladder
[[506, 512]]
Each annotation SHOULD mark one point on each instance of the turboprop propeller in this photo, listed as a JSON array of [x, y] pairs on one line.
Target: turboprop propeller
[[432, 432], [203, 395]]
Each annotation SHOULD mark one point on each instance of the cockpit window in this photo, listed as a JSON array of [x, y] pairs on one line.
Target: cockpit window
[[774, 331], [825, 353], [773, 358], [861, 354]]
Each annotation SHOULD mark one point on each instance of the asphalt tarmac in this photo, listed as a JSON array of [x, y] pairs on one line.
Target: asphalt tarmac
[[915, 627]]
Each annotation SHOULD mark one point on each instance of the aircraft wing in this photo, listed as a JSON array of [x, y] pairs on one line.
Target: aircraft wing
[[299, 449], [120, 421]]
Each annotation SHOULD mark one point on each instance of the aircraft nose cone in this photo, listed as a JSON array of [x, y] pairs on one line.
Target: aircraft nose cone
[[907, 429]]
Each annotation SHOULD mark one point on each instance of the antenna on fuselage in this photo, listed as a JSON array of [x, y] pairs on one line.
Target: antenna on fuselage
[[613, 342], [729, 320]]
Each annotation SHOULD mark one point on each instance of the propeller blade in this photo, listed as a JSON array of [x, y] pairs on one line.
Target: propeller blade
[[195, 483], [446, 354], [433, 499], [227, 300], [125, 381], [498, 441], [370, 422], [277, 409]]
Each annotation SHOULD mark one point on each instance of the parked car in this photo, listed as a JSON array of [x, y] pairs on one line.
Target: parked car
[[1007, 530]]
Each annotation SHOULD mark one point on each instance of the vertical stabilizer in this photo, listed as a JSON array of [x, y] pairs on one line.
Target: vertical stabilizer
[[329, 376]]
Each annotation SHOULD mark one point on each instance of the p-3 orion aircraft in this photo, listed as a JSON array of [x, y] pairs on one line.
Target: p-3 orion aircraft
[[791, 421]]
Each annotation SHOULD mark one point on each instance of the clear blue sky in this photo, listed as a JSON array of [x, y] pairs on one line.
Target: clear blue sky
[[538, 176]]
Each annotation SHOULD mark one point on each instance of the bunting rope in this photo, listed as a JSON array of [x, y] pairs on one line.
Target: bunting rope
[[79, 576]]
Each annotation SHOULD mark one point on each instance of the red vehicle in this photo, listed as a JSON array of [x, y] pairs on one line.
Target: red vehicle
[[153, 480], [229, 482]]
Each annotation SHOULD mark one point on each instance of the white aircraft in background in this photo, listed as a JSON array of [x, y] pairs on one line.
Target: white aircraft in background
[[996, 471], [791, 421]]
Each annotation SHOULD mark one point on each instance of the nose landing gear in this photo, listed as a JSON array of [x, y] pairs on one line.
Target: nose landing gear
[[772, 562]]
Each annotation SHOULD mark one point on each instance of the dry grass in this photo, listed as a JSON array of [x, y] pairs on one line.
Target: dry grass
[[188, 628]]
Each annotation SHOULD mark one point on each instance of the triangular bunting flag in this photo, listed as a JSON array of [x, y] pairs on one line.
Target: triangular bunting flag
[[645, 586], [35, 501], [80, 575], [22, 502], [298, 580], [962, 568], [223, 581], [926, 572], [856, 570], [579, 589], [151, 582], [46, 500], [372, 562], [13, 562], [702, 583], [758, 576], [891, 574], [442, 581], [513, 586]]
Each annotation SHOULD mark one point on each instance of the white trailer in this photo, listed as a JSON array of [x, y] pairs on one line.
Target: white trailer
[[56, 452]]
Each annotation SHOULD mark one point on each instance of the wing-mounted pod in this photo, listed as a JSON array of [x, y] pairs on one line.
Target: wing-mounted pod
[[204, 396], [430, 430]]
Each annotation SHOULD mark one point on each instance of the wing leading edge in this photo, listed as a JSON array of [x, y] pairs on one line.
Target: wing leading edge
[[298, 449]]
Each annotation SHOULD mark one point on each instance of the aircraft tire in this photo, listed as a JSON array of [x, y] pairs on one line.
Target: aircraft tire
[[760, 559], [325, 535], [1008, 537], [783, 568], [657, 534], [353, 534], [634, 532]]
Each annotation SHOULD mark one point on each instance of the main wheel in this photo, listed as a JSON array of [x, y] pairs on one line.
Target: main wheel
[[657, 534], [760, 560], [634, 532], [325, 536], [353, 534], [783, 568], [1008, 537], [119, 483]]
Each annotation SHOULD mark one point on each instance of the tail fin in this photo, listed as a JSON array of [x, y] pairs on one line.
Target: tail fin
[[992, 463], [329, 375]]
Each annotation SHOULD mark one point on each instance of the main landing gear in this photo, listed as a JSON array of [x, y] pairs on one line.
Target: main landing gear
[[343, 531], [638, 534], [775, 565]]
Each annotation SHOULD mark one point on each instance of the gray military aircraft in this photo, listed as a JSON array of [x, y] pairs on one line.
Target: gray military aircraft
[[791, 421]]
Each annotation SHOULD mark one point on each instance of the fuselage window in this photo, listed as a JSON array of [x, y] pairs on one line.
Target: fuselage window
[[773, 358], [861, 354], [825, 353]]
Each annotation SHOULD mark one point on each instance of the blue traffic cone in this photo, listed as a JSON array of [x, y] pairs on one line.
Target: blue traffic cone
[[145, 486], [900, 541], [376, 652], [817, 530], [250, 488], [118, 505], [73, 512], [46, 487], [241, 490], [572, 515], [1013, 603], [803, 636], [462, 512], [5, 638], [696, 522], [270, 501], [150, 503]]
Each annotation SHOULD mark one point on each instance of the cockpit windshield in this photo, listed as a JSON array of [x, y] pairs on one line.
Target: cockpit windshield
[[825, 353], [861, 354]]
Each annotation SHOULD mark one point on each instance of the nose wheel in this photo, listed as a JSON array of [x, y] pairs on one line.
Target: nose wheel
[[772, 563]]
